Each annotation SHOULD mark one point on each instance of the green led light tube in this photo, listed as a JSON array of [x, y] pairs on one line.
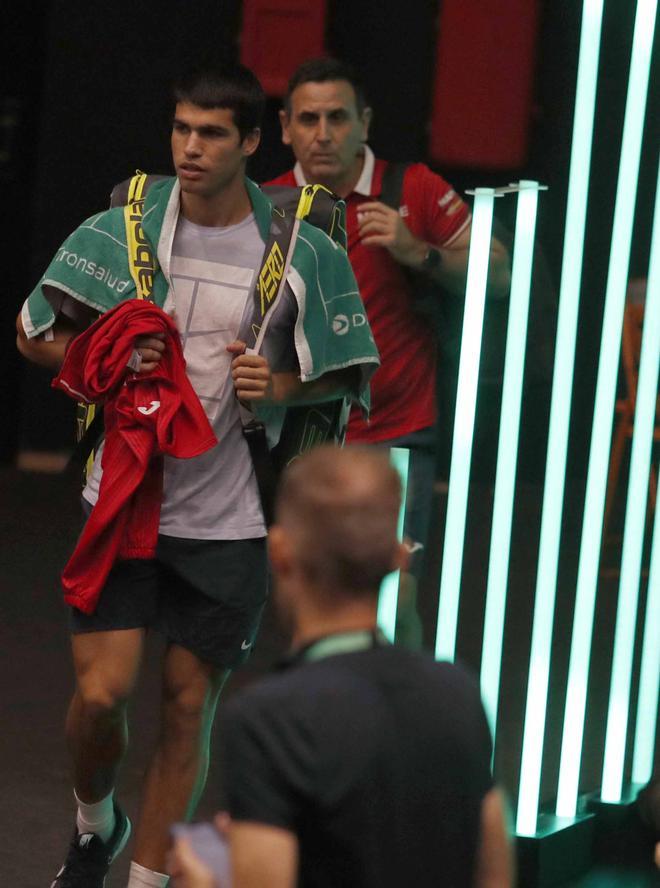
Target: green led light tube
[[649, 675], [601, 433], [560, 410], [633, 535], [389, 591], [466, 398], [507, 448]]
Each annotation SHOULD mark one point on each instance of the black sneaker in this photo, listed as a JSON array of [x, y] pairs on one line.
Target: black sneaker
[[89, 858]]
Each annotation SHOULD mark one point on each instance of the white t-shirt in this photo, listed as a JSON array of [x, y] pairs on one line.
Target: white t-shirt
[[215, 495]]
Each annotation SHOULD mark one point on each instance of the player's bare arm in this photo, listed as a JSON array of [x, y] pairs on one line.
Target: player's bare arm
[[48, 349], [494, 857], [263, 855], [255, 382]]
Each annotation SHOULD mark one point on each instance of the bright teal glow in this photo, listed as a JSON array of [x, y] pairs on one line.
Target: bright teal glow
[[633, 535], [601, 433], [649, 677], [466, 398], [507, 449], [560, 410], [389, 590]]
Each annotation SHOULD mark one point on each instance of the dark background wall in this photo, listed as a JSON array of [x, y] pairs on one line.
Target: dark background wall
[[88, 94], [20, 95]]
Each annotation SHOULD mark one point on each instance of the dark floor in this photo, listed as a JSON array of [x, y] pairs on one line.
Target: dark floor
[[618, 878], [38, 523]]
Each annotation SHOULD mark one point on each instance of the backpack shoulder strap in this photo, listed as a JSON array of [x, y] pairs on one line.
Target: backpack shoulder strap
[[141, 261], [271, 278], [142, 265], [392, 184], [304, 426], [119, 194], [267, 293]]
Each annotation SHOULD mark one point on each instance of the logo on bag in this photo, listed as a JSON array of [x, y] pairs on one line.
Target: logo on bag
[[270, 277], [140, 256]]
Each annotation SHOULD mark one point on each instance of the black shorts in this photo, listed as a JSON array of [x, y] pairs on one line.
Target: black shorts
[[204, 595]]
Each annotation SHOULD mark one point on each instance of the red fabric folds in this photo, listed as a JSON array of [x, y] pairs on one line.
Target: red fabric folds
[[145, 416]]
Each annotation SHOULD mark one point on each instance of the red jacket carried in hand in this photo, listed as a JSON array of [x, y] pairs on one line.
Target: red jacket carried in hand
[[145, 416]]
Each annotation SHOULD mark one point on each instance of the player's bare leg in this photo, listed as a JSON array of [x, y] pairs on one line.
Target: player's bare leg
[[178, 770], [106, 666]]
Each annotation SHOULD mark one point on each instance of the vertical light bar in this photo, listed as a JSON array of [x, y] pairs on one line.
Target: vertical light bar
[[633, 535], [507, 448], [649, 677], [389, 590], [466, 397], [601, 432], [560, 411]]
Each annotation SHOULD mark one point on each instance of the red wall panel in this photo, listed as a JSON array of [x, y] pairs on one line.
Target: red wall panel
[[484, 83], [278, 35]]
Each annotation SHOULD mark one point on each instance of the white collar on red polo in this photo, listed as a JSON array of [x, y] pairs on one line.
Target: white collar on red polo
[[364, 183]]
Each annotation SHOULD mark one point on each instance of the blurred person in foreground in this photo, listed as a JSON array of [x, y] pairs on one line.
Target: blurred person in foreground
[[357, 762]]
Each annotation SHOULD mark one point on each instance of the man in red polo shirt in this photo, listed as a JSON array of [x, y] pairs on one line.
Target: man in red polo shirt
[[326, 122]]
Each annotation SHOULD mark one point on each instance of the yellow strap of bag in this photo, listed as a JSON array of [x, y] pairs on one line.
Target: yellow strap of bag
[[142, 267], [140, 257]]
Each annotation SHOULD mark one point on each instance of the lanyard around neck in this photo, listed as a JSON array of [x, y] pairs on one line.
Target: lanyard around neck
[[343, 643]]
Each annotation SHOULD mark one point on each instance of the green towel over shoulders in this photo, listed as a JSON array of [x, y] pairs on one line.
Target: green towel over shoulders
[[331, 330]]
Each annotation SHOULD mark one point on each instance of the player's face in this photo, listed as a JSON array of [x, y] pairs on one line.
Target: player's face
[[326, 131], [207, 148]]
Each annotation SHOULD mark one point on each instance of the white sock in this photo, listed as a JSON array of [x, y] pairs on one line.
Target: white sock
[[99, 817], [141, 877]]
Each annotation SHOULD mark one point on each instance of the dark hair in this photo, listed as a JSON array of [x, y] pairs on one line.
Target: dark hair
[[323, 70], [223, 85]]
